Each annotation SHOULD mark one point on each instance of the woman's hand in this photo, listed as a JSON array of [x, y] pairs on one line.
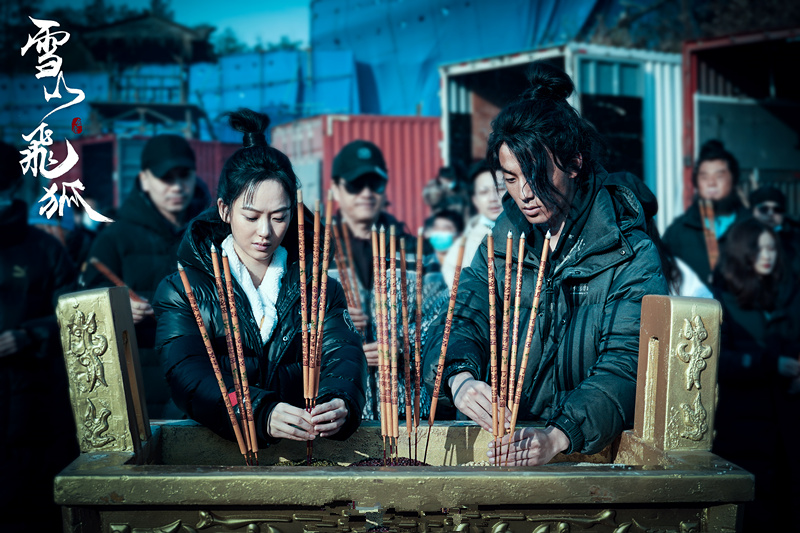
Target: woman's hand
[[290, 422], [141, 310], [327, 418], [371, 351], [474, 399], [530, 446]]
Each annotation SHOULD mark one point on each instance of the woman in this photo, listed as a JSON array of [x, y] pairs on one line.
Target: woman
[[758, 366], [255, 222], [442, 229], [581, 376], [486, 192]]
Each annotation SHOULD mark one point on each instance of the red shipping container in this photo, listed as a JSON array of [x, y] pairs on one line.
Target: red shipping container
[[410, 146]]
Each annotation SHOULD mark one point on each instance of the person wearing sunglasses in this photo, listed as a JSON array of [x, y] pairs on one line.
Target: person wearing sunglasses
[[768, 205], [359, 184]]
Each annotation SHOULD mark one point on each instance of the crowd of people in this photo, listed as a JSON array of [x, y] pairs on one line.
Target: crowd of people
[[543, 178]]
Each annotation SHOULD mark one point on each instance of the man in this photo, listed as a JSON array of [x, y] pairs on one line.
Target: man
[[38, 437], [769, 207], [359, 186], [715, 176], [141, 246]]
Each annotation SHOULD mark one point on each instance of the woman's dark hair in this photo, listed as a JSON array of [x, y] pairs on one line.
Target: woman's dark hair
[[447, 214], [476, 169], [541, 121], [255, 163], [711, 151], [736, 269]]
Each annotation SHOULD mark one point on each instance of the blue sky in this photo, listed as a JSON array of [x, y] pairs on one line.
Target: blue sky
[[269, 19]]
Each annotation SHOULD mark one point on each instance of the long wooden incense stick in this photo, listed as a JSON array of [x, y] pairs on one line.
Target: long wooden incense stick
[[505, 398], [301, 243], [323, 293], [709, 232], [214, 363], [351, 268], [528, 338], [376, 277], [393, 333], [384, 322], [341, 267], [237, 340], [314, 311], [448, 325], [418, 340], [515, 332], [113, 278], [406, 341], [492, 334], [223, 305]]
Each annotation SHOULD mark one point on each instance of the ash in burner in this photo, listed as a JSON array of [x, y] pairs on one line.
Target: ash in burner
[[401, 461], [314, 462]]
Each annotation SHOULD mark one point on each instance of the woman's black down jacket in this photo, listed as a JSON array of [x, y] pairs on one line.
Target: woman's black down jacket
[[274, 370], [581, 375]]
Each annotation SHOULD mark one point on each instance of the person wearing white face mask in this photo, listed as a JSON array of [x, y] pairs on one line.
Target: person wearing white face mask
[[486, 191], [442, 229]]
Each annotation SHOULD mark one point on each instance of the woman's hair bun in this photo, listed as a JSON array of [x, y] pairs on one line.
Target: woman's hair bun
[[250, 123], [547, 81]]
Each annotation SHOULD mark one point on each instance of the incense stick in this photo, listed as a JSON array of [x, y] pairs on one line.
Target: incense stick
[[492, 334], [528, 338], [448, 325], [314, 313], [351, 267], [418, 341], [301, 240], [213, 358], [384, 346], [515, 332], [113, 278], [341, 267], [505, 371], [223, 305], [393, 332], [406, 341], [237, 338]]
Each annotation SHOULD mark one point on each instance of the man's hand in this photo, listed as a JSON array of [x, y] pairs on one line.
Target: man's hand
[[141, 310], [360, 320], [371, 351], [474, 399], [530, 446]]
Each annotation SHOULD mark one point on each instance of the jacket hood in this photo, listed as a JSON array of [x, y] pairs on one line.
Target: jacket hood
[[139, 209]]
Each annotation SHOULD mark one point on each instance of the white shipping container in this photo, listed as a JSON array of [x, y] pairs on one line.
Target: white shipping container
[[633, 97]]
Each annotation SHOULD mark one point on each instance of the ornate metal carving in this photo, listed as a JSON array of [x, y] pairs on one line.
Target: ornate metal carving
[[95, 427], [174, 527], [693, 352], [87, 348], [694, 420], [209, 519]]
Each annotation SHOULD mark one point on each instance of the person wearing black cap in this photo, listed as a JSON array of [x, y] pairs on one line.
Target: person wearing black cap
[[359, 186], [715, 176], [141, 246], [37, 433], [768, 205]]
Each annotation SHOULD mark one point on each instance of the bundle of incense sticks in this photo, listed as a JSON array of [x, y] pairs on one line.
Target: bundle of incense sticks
[[113, 278], [345, 265], [529, 336], [312, 340], [386, 313], [245, 435], [709, 231], [448, 325]]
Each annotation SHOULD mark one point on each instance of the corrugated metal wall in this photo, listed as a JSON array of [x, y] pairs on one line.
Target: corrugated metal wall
[[410, 146]]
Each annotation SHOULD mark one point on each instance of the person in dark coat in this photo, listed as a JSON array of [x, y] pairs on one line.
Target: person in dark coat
[[581, 376], [141, 246], [768, 205], [715, 176], [37, 429], [359, 179], [759, 374], [255, 223]]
